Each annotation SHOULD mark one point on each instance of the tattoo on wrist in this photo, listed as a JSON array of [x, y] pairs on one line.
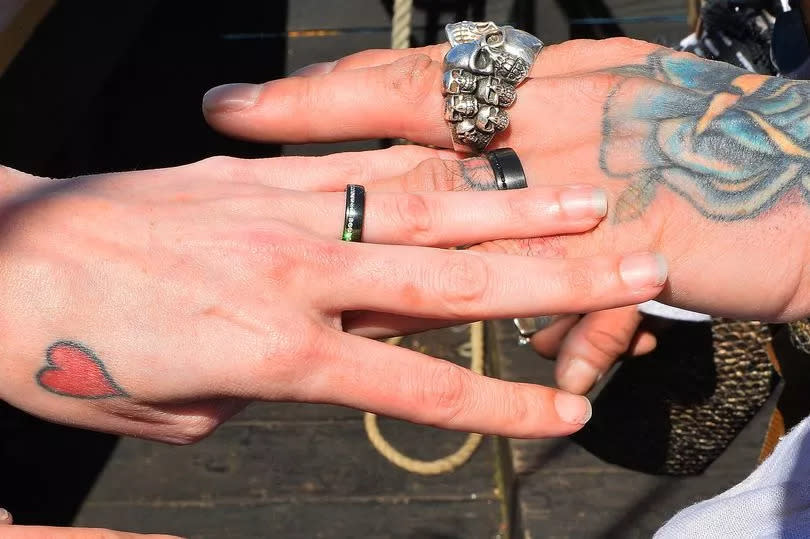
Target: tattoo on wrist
[[73, 370], [730, 142]]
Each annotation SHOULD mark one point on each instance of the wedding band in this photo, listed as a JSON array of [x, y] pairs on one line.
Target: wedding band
[[482, 70], [355, 212], [508, 170]]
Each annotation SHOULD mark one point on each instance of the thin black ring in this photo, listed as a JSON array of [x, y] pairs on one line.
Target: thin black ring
[[355, 212], [508, 170]]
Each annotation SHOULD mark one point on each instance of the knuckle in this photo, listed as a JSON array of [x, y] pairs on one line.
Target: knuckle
[[192, 430], [411, 78], [625, 47], [463, 282], [445, 394], [515, 406], [432, 175], [291, 353], [223, 166], [596, 87], [610, 343], [416, 218], [347, 170]]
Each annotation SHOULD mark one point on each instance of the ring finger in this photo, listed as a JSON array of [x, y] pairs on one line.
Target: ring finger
[[444, 219]]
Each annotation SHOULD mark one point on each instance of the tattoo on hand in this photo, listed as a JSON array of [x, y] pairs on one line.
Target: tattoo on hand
[[73, 370], [476, 174], [730, 142]]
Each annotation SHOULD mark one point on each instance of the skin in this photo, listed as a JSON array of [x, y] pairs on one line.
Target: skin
[[702, 161], [160, 312], [157, 304]]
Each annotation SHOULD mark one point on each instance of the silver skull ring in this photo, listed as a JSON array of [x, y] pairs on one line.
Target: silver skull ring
[[482, 70]]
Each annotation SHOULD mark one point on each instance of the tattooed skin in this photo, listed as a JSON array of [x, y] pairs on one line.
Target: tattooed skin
[[73, 370], [476, 174], [730, 142]]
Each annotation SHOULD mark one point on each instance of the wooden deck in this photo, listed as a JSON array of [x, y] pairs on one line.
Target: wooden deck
[[108, 86]]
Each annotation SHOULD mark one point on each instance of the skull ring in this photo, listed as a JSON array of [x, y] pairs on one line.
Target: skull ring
[[485, 64]]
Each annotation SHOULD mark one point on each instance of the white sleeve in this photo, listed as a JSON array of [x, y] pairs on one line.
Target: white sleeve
[[774, 501]]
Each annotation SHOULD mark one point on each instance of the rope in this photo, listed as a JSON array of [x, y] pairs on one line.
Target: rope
[[401, 39], [450, 462], [401, 24]]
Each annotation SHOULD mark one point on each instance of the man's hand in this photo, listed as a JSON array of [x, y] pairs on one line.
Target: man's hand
[[702, 161], [156, 304]]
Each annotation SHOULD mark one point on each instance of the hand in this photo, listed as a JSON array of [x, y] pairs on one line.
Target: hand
[[37, 532], [156, 304], [586, 347], [702, 161]]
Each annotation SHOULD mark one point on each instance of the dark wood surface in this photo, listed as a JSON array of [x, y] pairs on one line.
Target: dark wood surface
[[564, 491]]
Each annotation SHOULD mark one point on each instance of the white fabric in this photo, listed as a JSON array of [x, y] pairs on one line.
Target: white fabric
[[665, 311], [773, 502]]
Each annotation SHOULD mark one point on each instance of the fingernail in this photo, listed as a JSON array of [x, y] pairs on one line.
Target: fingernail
[[320, 68], [231, 97], [581, 202], [643, 270], [577, 375], [574, 409]]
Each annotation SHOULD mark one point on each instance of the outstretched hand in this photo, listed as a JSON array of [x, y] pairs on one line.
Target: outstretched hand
[[702, 161], [158, 303]]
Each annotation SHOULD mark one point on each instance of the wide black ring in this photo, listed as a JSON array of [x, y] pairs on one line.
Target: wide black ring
[[355, 212], [508, 170]]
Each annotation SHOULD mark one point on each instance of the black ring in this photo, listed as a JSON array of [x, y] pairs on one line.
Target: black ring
[[508, 170], [355, 212]]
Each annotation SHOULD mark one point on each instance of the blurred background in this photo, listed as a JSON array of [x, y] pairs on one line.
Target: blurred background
[[91, 86]]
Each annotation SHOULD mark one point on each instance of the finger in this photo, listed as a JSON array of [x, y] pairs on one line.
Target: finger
[[408, 385], [5, 517], [466, 285], [575, 56], [593, 346], [548, 340], [403, 99], [371, 58], [324, 173], [643, 343], [449, 219], [39, 532]]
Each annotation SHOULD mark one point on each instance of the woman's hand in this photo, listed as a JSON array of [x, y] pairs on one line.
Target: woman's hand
[[156, 304], [702, 161]]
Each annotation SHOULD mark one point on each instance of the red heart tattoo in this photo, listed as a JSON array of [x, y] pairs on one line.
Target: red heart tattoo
[[73, 370]]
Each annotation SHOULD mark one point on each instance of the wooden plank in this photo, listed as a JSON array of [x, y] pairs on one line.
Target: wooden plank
[[287, 462], [471, 519]]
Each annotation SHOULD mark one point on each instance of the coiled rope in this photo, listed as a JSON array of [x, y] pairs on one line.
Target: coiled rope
[[450, 462]]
